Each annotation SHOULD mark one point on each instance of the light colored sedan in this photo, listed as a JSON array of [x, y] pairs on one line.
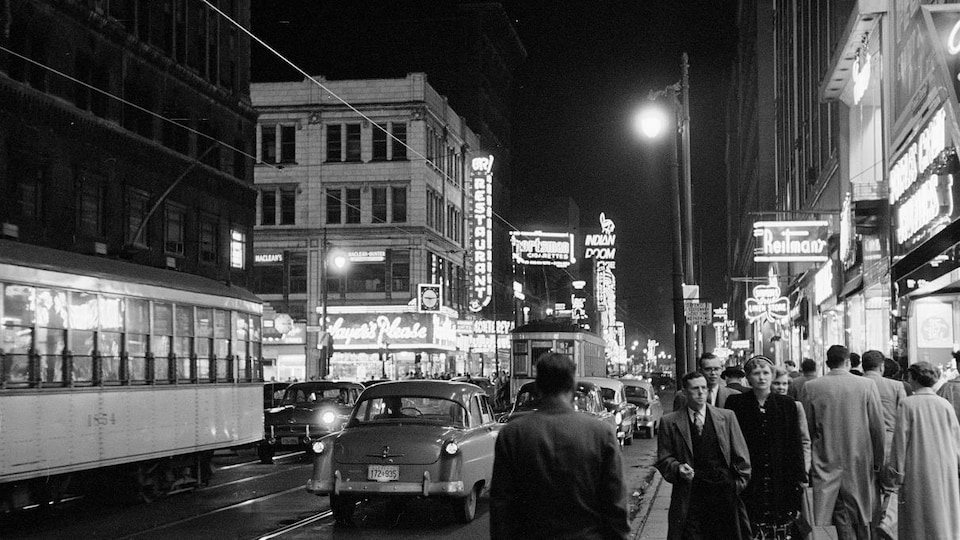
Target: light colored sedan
[[641, 393], [411, 438], [615, 400]]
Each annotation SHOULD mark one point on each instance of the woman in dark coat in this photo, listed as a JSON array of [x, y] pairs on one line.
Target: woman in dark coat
[[771, 426]]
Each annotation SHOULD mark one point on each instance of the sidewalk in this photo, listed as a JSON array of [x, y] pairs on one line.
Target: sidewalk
[[650, 522]]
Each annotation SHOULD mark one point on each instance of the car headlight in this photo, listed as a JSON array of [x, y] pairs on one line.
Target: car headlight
[[317, 447], [618, 417], [451, 448], [328, 417]]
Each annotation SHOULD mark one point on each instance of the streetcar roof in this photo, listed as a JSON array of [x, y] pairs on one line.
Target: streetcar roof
[[67, 262]]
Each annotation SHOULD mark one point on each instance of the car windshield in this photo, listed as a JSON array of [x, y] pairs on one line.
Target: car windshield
[[405, 409], [636, 392], [305, 395]]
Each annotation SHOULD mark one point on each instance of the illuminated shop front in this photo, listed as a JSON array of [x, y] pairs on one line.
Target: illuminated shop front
[[392, 342]]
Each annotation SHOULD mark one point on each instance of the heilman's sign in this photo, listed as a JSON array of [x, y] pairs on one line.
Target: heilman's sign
[[791, 241]]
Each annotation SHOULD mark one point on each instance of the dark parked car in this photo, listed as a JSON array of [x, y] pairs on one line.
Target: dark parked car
[[587, 399], [482, 382], [410, 439], [309, 410], [615, 400], [649, 409]]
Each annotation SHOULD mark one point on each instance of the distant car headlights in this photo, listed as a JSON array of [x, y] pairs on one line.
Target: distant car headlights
[[328, 417], [317, 447], [451, 448]]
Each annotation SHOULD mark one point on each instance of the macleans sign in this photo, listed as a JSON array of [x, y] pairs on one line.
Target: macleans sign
[[790, 241], [481, 216], [543, 248]]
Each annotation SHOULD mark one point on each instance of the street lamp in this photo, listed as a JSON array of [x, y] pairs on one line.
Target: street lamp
[[652, 121], [339, 261]]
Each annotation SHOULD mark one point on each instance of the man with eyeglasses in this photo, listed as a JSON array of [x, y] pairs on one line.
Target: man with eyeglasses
[[711, 367]]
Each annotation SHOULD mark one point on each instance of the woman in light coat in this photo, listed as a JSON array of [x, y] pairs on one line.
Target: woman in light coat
[[924, 460]]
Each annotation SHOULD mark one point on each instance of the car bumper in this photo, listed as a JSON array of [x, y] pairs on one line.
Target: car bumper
[[426, 487], [294, 437], [646, 423]]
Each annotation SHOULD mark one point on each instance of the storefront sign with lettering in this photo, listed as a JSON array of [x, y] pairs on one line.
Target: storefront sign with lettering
[[790, 241], [481, 219], [542, 248]]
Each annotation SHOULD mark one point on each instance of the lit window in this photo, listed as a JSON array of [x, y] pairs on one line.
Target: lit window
[[238, 248]]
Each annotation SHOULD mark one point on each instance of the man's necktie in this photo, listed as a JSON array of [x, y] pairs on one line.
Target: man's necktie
[[710, 397], [698, 422]]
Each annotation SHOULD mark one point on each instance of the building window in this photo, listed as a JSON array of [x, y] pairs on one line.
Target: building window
[[353, 142], [399, 130], [175, 223], [238, 249], [379, 198], [334, 143], [268, 144], [435, 210], [288, 206], [136, 213], [334, 210], [400, 271], [209, 241], [353, 206], [398, 203], [366, 277], [278, 206], [297, 282], [30, 191], [268, 278], [288, 144], [268, 207], [379, 137], [91, 220]]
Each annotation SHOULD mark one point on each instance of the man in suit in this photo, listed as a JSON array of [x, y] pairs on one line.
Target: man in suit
[[710, 368], [558, 473], [891, 393], [846, 431], [701, 451]]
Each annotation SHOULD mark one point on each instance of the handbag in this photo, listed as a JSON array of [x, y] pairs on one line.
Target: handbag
[[887, 516]]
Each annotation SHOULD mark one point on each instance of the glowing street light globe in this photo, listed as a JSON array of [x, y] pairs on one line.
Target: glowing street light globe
[[651, 121]]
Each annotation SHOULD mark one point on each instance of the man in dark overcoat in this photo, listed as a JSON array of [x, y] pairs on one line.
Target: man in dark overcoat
[[702, 452]]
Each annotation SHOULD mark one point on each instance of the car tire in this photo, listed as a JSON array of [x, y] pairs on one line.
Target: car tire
[[342, 508], [265, 452], [465, 508]]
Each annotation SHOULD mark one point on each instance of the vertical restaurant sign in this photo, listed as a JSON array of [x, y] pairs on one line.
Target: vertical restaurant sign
[[921, 185], [481, 217]]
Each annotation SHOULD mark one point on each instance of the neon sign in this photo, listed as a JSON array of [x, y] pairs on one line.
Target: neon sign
[[481, 180], [930, 206], [767, 304], [601, 246], [790, 241], [268, 257], [542, 248], [920, 155]]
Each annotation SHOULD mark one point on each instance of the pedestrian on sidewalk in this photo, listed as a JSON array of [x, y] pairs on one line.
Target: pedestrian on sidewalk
[[711, 368], [924, 460], [557, 473], [892, 394], [846, 429], [781, 380], [701, 451], [771, 428], [808, 371]]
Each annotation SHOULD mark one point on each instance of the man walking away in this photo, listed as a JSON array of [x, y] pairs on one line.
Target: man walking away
[[808, 370], [846, 430], [702, 452], [892, 394], [558, 473]]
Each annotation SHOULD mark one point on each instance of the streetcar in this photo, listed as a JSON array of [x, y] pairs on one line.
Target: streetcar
[[114, 370], [530, 341]]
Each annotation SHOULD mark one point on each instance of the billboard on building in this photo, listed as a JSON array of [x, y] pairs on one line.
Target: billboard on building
[[542, 248]]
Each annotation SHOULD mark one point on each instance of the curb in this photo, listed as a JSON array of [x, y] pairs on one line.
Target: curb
[[646, 505]]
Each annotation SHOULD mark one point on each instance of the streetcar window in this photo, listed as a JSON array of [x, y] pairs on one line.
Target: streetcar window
[[138, 316], [111, 313], [109, 346], [51, 308], [83, 311], [18, 305]]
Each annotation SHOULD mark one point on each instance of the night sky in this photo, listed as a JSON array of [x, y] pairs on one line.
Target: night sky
[[590, 64]]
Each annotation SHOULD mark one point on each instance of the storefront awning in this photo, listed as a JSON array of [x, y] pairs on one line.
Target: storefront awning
[[852, 286]]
